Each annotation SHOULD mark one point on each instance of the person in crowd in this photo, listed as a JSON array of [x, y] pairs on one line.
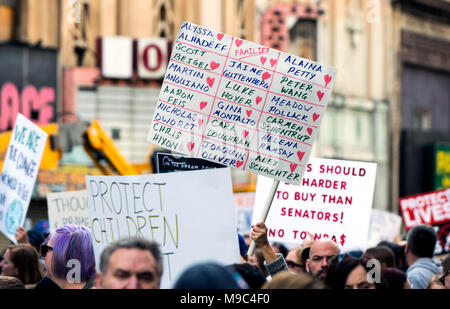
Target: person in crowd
[[132, 263], [383, 254], [445, 278], [294, 260], [394, 278], [280, 248], [10, 283], [419, 250], [22, 261], [349, 273], [399, 253], [209, 275], [69, 259], [321, 254], [435, 283], [252, 275], [257, 259], [288, 280]]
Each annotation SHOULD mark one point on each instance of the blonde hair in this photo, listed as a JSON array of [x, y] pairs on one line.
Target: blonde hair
[[288, 280]]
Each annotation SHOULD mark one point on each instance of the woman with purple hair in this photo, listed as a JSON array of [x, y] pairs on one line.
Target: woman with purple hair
[[69, 258]]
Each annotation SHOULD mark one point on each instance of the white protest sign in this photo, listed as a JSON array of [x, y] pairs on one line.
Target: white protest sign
[[241, 104], [383, 226], [190, 214], [68, 207], [333, 201], [19, 172]]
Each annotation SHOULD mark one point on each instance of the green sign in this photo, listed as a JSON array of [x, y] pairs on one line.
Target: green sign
[[441, 155]]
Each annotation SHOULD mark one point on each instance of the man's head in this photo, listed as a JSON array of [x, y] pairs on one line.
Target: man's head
[[130, 264], [420, 243], [321, 254]]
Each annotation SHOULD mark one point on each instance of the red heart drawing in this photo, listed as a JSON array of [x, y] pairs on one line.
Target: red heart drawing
[[210, 81], [327, 80], [320, 94], [249, 113], [239, 163], [300, 155], [200, 122], [220, 36], [245, 133], [238, 42], [293, 167], [203, 105], [273, 61], [190, 146], [265, 76], [315, 116], [258, 100], [263, 60], [214, 65], [309, 131]]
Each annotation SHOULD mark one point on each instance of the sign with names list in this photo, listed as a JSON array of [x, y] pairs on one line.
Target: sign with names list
[[241, 104]]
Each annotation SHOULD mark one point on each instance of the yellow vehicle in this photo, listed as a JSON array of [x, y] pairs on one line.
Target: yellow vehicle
[[97, 144], [100, 148]]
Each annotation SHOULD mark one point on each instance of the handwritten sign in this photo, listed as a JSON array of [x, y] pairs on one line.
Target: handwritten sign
[[19, 172], [67, 208], [383, 226], [190, 214], [168, 163], [333, 201], [241, 104]]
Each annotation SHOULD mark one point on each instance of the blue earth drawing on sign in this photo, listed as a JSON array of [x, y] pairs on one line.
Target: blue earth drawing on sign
[[13, 216]]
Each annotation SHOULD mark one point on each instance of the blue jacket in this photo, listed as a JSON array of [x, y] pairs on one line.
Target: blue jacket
[[421, 271]]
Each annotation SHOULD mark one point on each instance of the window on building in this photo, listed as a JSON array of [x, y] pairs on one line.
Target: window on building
[[8, 19], [422, 119], [303, 39]]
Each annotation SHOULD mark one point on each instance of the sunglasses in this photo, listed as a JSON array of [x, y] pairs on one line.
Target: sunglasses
[[45, 249], [291, 264]]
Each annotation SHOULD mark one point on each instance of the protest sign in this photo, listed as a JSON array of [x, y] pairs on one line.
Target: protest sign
[[333, 201], [19, 172], [241, 104], [432, 208], [383, 226], [190, 214], [67, 208], [167, 163], [243, 205]]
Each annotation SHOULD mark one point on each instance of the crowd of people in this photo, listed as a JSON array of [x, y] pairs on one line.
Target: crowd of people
[[65, 259]]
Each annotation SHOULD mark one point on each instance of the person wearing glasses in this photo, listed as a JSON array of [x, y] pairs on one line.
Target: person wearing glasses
[[22, 262], [69, 259], [294, 261], [321, 254], [132, 263], [419, 250]]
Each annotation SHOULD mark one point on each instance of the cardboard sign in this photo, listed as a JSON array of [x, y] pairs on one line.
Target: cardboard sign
[[432, 208], [383, 226], [241, 104], [67, 208], [19, 172], [190, 214], [168, 163], [333, 201]]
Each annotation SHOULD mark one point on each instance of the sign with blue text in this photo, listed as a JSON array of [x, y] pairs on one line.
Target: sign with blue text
[[241, 104], [189, 213], [19, 173]]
